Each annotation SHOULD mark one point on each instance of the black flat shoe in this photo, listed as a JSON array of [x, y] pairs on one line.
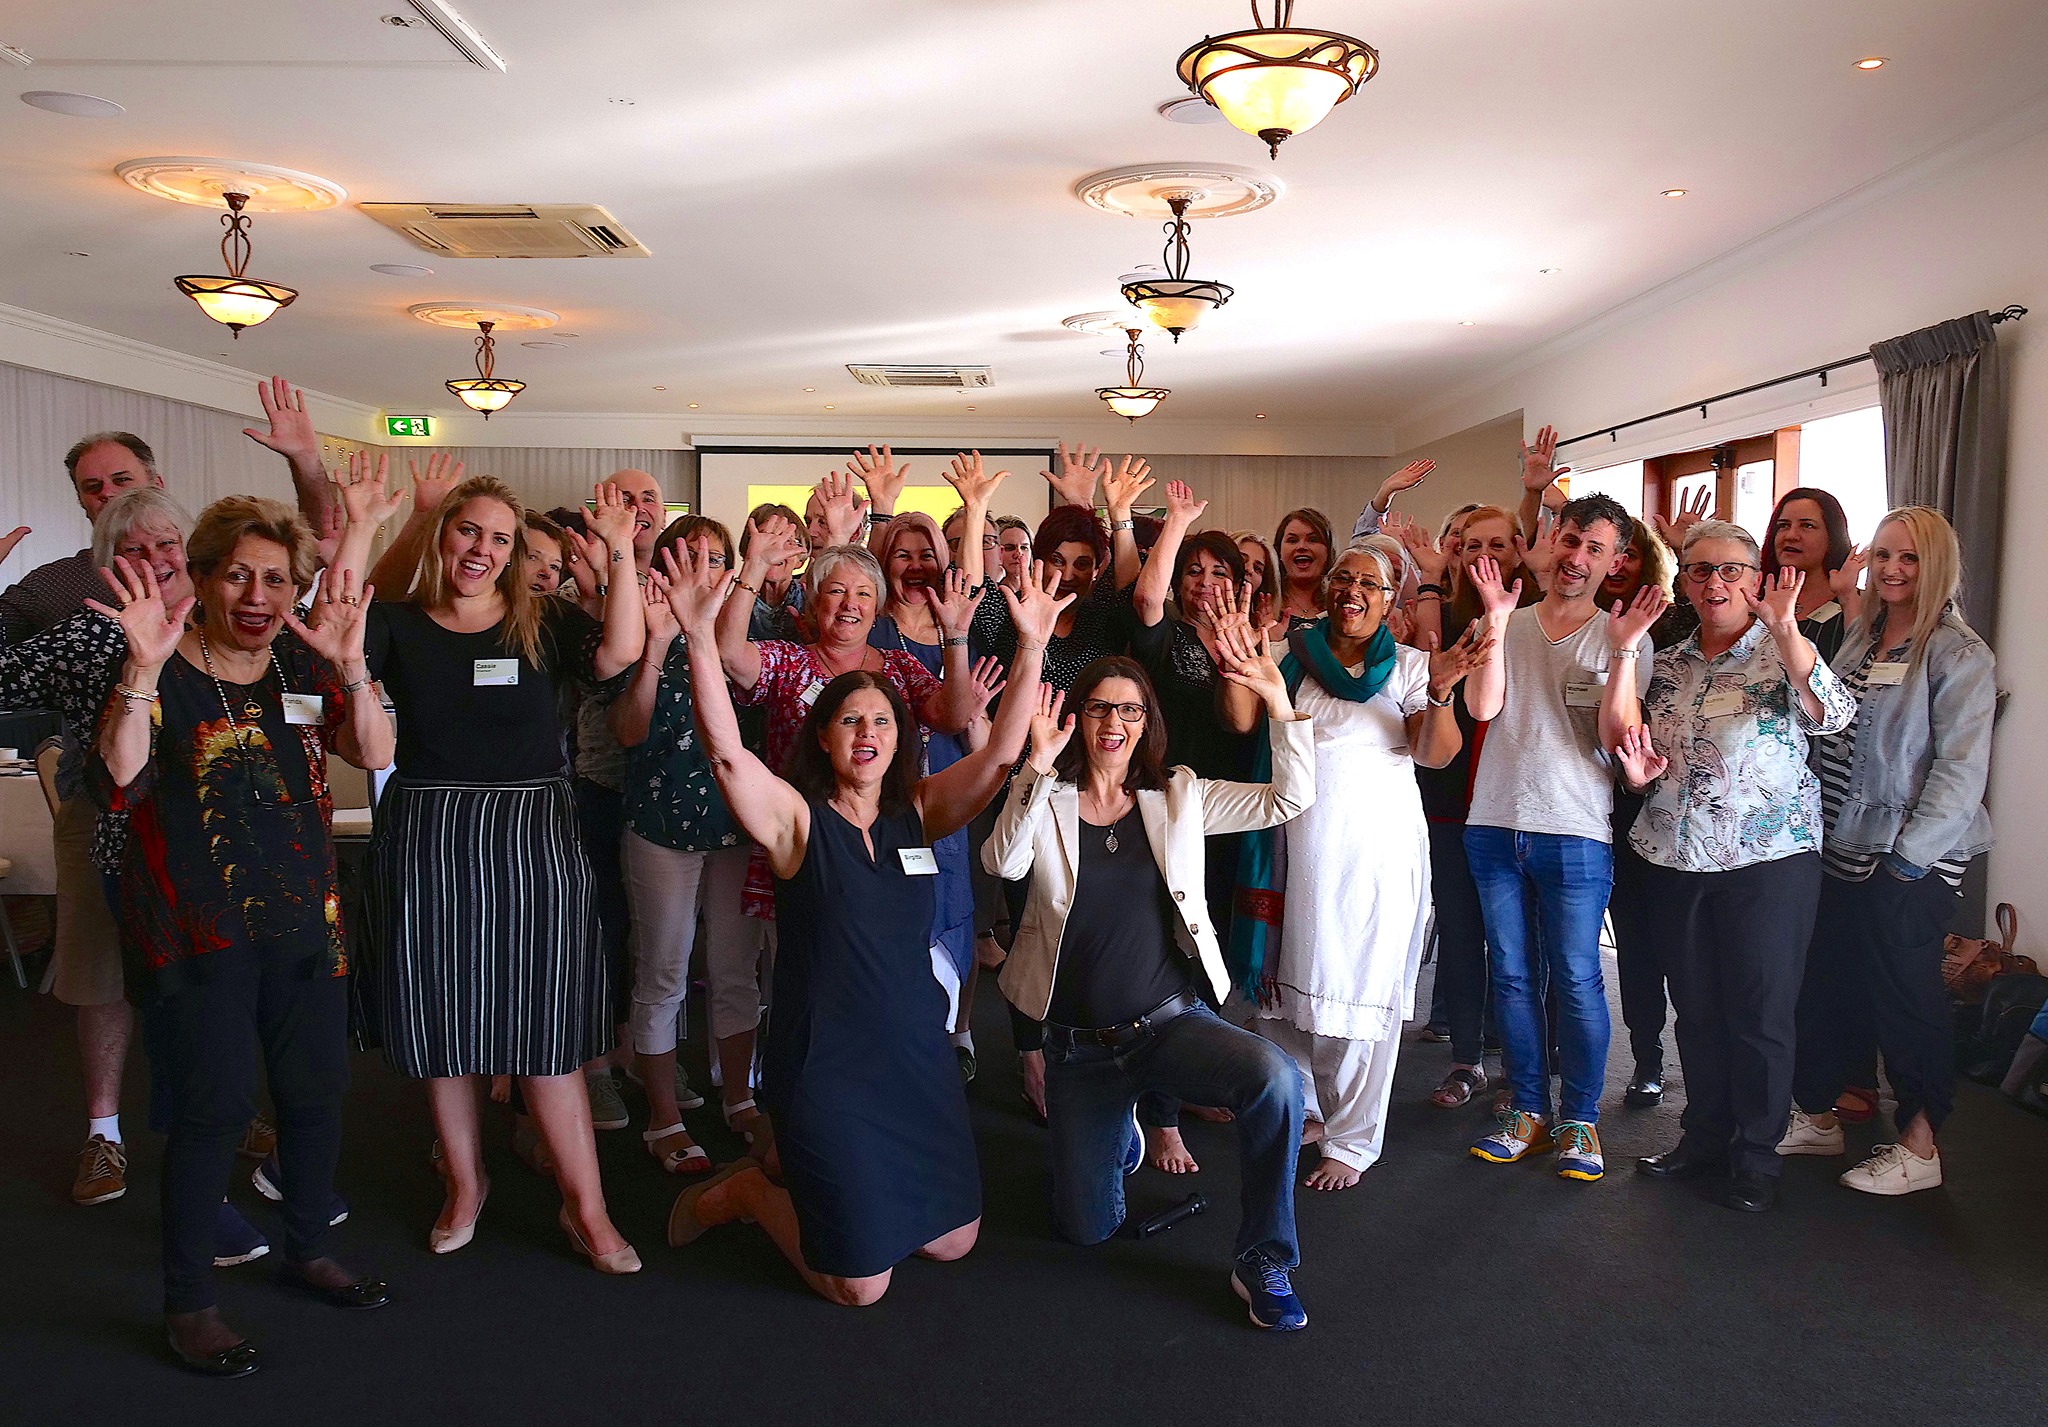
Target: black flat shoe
[[1683, 1163], [363, 1293], [1751, 1192], [238, 1361], [1644, 1091]]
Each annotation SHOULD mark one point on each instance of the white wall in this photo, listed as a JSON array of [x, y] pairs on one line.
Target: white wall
[[1964, 231]]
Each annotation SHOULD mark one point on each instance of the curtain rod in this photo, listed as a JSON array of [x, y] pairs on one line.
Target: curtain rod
[[2010, 313]]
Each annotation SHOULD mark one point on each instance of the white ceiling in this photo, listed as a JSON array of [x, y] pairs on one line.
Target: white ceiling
[[890, 180]]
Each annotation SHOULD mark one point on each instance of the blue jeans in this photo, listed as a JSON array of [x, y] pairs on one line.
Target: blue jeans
[[1569, 878], [1199, 1057]]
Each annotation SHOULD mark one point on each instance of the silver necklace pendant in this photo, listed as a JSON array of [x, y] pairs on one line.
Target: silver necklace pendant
[[1109, 842]]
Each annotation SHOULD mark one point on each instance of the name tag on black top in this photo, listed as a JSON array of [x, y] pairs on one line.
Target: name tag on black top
[[304, 708], [918, 862], [495, 672]]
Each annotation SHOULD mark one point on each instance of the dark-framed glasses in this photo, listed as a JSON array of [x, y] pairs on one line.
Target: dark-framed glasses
[[1342, 581], [1103, 708], [1730, 571]]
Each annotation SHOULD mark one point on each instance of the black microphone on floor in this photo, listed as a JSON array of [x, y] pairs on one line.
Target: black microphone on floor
[[1167, 1218]]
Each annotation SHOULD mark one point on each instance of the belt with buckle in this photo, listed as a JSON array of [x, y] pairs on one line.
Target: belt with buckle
[[1118, 1036]]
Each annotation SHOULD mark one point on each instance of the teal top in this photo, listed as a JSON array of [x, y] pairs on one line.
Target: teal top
[[671, 798]]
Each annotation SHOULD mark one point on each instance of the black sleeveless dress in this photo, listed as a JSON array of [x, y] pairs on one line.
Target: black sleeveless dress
[[859, 1078]]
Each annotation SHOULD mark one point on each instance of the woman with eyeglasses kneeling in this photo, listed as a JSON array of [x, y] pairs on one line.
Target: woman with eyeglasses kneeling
[[1731, 830], [1116, 953], [876, 1157], [215, 744]]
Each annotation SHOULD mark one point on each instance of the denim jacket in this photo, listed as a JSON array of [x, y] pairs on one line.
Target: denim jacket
[[1923, 750]]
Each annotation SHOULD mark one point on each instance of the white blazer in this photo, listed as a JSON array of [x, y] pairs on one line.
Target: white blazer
[[1039, 832]]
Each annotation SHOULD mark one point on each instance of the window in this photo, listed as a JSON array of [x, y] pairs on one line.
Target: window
[[1624, 482], [1844, 456]]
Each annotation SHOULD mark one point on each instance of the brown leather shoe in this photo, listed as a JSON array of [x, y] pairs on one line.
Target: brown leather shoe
[[102, 1172], [259, 1141]]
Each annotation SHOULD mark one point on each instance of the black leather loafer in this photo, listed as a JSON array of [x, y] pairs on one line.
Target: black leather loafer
[[363, 1293], [1751, 1192], [238, 1361], [1682, 1163], [1644, 1091]]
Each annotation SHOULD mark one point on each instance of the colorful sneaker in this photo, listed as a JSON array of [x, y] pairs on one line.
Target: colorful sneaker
[[1578, 1151], [1268, 1292], [1894, 1169], [102, 1172], [235, 1239], [1806, 1135], [607, 1106], [1516, 1135], [268, 1181], [259, 1140]]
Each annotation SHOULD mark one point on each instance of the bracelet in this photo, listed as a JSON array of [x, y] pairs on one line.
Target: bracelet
[[1429, 592], [957, 641], [147, 696], [1023, 648], [1441, 703], [1627, 653], [355, 688], [754, 590], [1120, 525], [603, 590], [1432, 589]]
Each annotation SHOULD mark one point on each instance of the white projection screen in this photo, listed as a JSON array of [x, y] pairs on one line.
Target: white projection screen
[[732, 480]]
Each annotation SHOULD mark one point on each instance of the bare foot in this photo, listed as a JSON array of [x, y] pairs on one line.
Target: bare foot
[[1331, 1174], [1033, 1062], [1311, 1132], [461, 1205], [1214, 1114], [1165, 1150], [597, 1231]]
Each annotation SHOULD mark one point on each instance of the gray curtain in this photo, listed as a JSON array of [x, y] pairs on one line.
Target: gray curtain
[[1943, 393]]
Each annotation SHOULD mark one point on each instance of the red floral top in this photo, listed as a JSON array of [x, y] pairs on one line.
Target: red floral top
[[792, 677]]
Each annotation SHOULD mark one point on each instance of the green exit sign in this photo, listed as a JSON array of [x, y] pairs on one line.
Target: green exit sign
[[408, 426]]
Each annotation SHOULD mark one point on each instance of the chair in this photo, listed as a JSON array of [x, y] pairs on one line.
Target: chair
[[7, 928], [350, 788]]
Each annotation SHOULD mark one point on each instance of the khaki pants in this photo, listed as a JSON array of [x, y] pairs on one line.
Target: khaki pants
[[86, 965]]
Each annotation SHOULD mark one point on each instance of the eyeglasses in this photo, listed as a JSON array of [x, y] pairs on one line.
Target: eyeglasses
[[1344, 582], [1729, 572], [1102, 708]]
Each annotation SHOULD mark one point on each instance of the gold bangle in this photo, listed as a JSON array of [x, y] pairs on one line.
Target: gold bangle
[[131, 695]]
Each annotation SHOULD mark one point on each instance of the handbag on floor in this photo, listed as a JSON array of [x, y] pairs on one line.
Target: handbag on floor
[[2011, 1002], [1969, 963]]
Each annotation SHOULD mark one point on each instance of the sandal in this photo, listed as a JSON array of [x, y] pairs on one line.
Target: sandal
[[684, 1227], [740, 1107], [1458, 1088], [686, 1158]]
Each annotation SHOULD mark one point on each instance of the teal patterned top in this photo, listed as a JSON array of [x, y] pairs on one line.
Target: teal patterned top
[[671, 798]]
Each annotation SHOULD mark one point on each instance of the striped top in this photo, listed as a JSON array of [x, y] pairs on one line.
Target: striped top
[[1837, 758]]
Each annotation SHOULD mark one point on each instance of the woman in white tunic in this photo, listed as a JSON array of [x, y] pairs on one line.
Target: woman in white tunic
[[1338, 980]]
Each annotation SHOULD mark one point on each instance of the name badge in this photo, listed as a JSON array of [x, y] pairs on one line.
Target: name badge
[[1825, 613], [304, 708], [1726, 702], [1885, 676], [1583, 693], [495, 671], [811, 691], [918, 862]]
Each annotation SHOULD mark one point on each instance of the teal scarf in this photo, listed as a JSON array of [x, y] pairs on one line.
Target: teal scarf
[[1260, 904]]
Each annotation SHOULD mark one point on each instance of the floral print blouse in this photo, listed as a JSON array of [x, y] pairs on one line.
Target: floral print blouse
[[1738, 791], [671, 798]]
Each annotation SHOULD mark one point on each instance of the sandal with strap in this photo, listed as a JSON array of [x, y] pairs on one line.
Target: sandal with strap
[[686, 1158], [1458, 1088], [740, 1107]]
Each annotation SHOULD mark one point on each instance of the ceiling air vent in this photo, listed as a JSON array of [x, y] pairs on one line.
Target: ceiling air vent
[[888, 374], [510, 230]]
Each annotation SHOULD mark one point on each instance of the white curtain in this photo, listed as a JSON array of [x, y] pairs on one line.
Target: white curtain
[[1253, 492], [550, 476]]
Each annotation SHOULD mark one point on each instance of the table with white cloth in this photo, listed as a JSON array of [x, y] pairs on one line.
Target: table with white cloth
[[25, 837]]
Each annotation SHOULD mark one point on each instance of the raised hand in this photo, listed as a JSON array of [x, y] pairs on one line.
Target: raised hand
[[153, 631], [1778, 607], [1691, 511], [333, 525], [695, 595], [1181, 505], [13, 538], [431, 487], [1049, 731], [1846, 583], [339, 618], [985, 680], [1640, 761], [1554, 498], [1431, 559], [1080, 468], [1036, 607], [662, 624], [1397, 623], [611, 519], [1122, 487], [1245, 660], [878, 471], [1493, 598], [1539, 462], [362, 485], [1407, 478], [845, 507], [586, 559], [952, 605], [1448, 667], [771, 543], [1626, 627], [291, 432], [967, 476]]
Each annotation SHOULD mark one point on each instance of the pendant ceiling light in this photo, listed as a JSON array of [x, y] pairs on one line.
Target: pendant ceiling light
[[1176, 301], [484, 392], [1276, 81], [236, 301], [1133, 399]]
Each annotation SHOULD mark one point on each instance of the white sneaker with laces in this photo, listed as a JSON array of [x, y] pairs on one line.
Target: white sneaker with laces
[[1806, 1135], [1894, 1169]]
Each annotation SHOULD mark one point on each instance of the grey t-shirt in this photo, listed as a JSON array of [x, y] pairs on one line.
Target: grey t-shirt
[[1541, 767]]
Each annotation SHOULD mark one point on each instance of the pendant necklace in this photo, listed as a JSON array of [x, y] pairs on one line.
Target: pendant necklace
[[1109, 842], [252, 710]]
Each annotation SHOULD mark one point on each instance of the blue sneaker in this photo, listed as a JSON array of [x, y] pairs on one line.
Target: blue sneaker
[[1272, 1301], [235, 1239], [1134, 1147], [1578, 1151], [268, 1181]]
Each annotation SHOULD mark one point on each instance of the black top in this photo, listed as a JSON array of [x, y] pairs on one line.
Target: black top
[[1117, 957], [1185, 678], [453, 728], [1101, 628]]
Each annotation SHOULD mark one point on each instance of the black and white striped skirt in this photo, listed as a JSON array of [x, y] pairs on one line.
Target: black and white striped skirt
[[485, 931]]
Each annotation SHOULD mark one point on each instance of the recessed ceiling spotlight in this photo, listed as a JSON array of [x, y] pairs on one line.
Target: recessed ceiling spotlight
[[830, 407], [693, 406], [661, 388], [1258, 416], [810, 388], [1674, 193], [1871, 62], [973, 408], [77, 106], [401, 270]]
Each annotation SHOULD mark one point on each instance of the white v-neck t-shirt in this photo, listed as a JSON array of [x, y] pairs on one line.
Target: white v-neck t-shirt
[[1541, 767]]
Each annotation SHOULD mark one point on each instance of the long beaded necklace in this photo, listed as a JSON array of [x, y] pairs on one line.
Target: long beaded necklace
[[252, 710]]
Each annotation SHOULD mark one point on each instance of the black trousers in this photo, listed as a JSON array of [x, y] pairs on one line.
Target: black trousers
[[601, 818], [249, 1012], [1875, 963], [1631, 906], [1734, 948], [1460, 942]]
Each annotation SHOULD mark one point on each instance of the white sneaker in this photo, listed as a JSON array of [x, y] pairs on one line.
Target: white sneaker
[[1806, 1135], [1894, 1169]]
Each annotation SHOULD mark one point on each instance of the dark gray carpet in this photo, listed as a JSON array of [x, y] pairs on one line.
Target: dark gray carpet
[[1441, 1290]]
